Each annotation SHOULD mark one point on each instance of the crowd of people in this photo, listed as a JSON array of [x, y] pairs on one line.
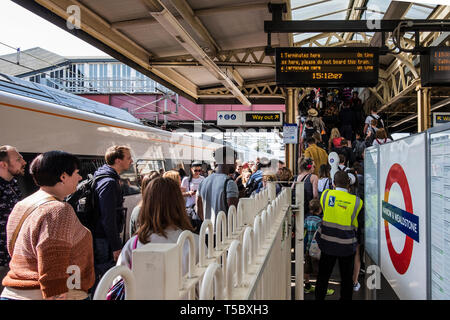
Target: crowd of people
[[337, 124], [42, 236], [45, 239]]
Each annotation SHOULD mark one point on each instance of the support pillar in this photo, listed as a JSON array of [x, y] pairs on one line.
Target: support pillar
[[290, 118], [423, 108]]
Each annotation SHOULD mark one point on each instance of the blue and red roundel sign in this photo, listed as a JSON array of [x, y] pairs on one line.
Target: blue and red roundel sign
[[403, 220]]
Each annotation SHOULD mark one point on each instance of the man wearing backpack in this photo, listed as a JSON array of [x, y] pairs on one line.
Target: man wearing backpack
[[373, 116], [109, 205], [218, 191]]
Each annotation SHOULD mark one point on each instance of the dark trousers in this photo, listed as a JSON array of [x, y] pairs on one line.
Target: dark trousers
[[103, 259], [326, 265], [347, 132], [3, 272]]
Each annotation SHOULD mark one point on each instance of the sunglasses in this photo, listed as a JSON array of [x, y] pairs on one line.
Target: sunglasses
[[197, 170]]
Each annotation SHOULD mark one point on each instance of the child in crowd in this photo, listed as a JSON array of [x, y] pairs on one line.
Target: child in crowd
[[312, 223]]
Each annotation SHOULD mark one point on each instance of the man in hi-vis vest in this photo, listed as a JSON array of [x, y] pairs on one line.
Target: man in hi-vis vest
[[337, 236]]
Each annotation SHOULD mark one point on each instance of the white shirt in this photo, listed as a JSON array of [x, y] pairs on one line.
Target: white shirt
[[192, 186], [370, 118], [323, 184], [377, 142]]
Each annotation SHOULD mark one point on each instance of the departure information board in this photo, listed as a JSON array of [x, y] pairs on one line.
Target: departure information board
[[440, 215], [435, 67], [327, 67]]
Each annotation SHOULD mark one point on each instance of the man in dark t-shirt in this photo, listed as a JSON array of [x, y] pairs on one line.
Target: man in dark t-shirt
[[12, 165]]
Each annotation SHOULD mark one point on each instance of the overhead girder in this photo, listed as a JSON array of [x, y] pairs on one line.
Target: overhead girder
[[175, 29], [231, 60], [245, 57], [102, 30]]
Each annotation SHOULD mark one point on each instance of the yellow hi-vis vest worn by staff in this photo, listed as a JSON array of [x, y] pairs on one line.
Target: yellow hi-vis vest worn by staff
[[337, 233]]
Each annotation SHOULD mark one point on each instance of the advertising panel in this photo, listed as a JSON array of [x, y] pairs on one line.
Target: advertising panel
[[371, 203], [290, 133], [440, 215], [402, 223]]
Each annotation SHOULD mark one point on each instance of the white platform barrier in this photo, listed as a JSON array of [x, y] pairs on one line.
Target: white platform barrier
[[251, 259]]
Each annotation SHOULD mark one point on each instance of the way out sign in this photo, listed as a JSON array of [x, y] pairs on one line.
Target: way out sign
[[290, 133]]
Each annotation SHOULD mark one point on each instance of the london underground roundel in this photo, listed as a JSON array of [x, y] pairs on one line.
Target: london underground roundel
[[404, 220]]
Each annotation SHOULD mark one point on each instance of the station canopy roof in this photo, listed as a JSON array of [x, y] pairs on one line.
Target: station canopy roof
[[214, 51]]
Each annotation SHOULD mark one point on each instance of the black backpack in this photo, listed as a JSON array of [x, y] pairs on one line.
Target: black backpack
[[380, 122], [83, 201], [359, 148]]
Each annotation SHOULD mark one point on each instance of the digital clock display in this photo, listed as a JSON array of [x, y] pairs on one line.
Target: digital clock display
[[327, 67]]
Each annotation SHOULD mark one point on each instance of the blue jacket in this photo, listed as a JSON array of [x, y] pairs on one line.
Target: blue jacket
[[109, 200], [256, 178]]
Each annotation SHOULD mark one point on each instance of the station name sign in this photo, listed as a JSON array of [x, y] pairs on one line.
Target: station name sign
[[327, 67], [435, 67]]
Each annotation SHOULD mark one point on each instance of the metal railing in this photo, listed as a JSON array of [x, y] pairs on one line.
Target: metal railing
[[105, 85], [250, 261]]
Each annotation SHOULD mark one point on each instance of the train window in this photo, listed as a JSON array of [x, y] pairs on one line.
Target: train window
[[129, 182], [147, 166]]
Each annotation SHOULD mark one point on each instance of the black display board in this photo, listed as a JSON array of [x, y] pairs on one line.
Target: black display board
[[435, 67], [327, 67]]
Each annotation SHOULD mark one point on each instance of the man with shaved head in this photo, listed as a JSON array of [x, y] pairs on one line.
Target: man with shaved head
[[11, 166]]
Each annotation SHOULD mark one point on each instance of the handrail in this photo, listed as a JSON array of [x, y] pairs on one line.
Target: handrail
[[246, 251], [213, 272], [187, 235], [234, 261], [256, 253], [107, 280], [232, 223], [221, 231], [207, 224]]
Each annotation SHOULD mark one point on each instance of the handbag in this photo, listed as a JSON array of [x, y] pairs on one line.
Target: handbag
[[314, 250], [117, 291]]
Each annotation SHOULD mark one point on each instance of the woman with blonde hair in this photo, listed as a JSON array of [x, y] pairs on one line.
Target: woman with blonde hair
[[335, 139], [135, 213], [174, 175]]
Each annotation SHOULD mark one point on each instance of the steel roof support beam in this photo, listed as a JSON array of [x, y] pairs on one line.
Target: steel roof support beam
[[307, 26], [174, 28], [96, 27], [189, 16], [354, 14]]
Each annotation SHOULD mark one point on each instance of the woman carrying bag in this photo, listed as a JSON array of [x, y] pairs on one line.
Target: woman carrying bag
[[46, 241]]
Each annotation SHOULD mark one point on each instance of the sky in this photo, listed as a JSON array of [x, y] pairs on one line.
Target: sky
[[24, 29]]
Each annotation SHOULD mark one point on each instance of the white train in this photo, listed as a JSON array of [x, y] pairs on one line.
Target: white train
[[36, 118]]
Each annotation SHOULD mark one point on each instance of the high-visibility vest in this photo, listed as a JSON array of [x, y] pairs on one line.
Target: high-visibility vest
[[339, 224]]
